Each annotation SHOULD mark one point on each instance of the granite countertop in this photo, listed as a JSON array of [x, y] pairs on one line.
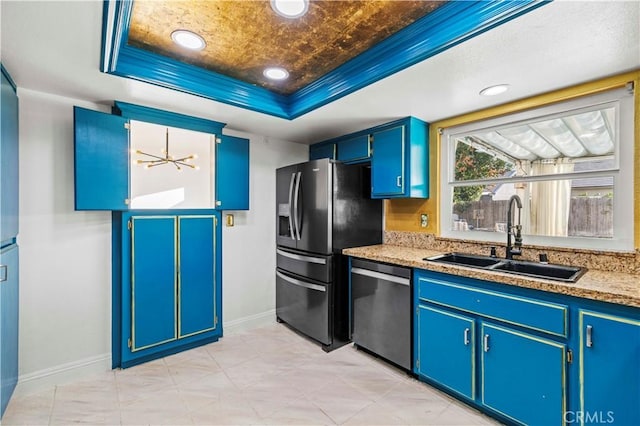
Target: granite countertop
[[606, 286]]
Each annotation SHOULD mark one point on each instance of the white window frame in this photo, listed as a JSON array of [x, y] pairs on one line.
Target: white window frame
[[622, 172]]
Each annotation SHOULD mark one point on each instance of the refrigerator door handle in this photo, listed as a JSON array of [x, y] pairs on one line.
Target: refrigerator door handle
[[293, 179], [300, 283], [296, 196], [309, 259]]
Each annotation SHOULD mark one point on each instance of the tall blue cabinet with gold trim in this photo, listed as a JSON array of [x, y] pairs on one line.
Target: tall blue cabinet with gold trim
[[168, 281]]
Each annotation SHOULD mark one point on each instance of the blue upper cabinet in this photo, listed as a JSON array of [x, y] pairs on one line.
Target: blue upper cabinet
[[355, 149], [101, 143], [9, 160], [106, 145], [399, 164], [232, 173], [319, 151]]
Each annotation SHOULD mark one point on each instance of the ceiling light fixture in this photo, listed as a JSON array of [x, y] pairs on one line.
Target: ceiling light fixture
[[290, 9], [167, 159], [276, 73], [188, 39], [494, 90]]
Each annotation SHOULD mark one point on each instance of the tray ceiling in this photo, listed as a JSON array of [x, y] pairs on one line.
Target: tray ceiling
[[244, 37]]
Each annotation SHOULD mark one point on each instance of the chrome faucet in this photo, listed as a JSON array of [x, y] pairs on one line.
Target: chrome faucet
[[515, 230]]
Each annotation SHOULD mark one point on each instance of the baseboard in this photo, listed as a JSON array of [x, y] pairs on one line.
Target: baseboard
[[61, 374], [250, 322]]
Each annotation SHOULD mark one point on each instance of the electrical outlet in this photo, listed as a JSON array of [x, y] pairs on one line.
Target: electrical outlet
[[424, 220]]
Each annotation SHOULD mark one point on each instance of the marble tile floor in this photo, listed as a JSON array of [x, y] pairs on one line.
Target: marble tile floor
[[266, 376]]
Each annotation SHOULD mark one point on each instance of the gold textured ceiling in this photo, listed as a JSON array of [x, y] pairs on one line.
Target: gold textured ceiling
[[244, 37]]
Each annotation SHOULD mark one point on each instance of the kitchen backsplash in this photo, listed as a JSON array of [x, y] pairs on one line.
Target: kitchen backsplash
[[591, 259]]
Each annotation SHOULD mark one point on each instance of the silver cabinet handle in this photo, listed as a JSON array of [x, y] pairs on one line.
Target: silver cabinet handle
[[4, 276], [293, 178], [589, 340], [302, 258], [380, 276], [486, 343], [295, 204], [466, 336], [399, 181], [301, 283]]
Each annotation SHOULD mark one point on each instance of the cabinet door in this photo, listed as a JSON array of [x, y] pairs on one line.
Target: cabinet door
[[316, 152], [232, 173], [523, 376], [197, 278], [388, 163], [9, 162], [354, 149], [609, 369], [101, 144], [445, 349], [153, 281], [8, 324]]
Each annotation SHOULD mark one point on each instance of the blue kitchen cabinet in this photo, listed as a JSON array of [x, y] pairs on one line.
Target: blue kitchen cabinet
[[445, 349], [523, 375], [355, 149], [232, 173], [9, 279], [8, 323], [399, 163], [102, 158], [167, 291], [609, 369], [322, 150]]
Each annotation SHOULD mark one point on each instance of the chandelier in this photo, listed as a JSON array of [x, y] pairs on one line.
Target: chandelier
[[167, 159]]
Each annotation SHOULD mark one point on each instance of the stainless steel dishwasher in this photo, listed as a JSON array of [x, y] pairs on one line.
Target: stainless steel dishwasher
[[381, 310]]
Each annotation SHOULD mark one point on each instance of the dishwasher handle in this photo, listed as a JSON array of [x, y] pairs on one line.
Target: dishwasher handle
[[381, 276]]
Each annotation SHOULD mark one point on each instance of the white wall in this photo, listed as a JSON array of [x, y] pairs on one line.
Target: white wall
[[249, 247], [65, 257]]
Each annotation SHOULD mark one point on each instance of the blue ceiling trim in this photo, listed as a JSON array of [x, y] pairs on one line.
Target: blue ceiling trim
[[447, 26], [8, 77], [166, 118]]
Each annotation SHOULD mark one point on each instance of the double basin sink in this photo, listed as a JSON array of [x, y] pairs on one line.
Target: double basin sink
[[563, 273]]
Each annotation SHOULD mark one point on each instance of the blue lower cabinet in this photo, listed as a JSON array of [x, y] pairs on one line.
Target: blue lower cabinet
[[446, 349], [198, 301], [8, 323], [609, 370], [167, 290], [523, 376]]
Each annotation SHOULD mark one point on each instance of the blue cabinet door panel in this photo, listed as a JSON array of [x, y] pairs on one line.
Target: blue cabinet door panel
[[523, 376], [101, 144], [232, 173], [445, 348], [610, 369], [316, 152], [354, 149], [8, 324], [197, 304], [388, 162], [8, 162], [153, 281]]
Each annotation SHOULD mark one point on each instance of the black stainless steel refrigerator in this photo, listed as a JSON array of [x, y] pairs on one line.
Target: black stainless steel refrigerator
[[321, 207]]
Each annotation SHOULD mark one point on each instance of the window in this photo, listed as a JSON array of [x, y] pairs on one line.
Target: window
[[570, 165]]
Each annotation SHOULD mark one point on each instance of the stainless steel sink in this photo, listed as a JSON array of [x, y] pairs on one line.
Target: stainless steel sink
[[518, 267]]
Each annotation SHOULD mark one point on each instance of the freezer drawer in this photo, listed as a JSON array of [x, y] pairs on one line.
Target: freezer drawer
[[304, 305], [381, 296], [314, 266]]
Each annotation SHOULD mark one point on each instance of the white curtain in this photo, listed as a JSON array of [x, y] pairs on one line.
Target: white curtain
[[550, 200]]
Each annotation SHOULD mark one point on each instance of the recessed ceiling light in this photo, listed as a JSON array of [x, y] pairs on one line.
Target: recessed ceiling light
[[494, 90], [188, 39], [276, 73], [290, 8]]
